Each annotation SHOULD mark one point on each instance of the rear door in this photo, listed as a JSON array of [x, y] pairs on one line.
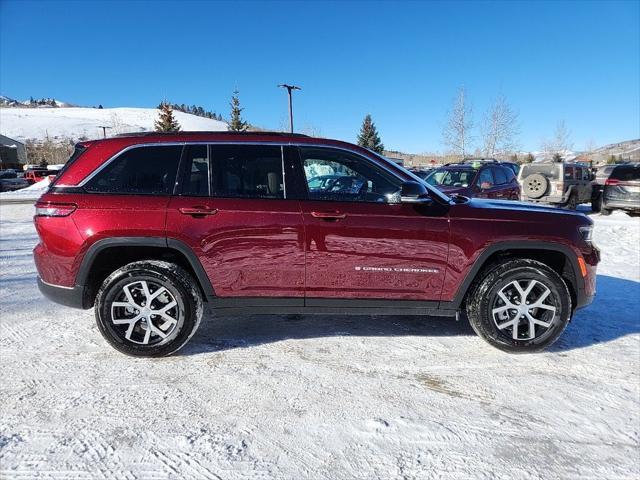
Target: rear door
[[358, 244], [233, 211]]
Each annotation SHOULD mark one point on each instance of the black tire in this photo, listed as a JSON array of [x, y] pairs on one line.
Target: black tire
[[178, 323], [605, 211], [572, 203], [596, 203], [484, 298]]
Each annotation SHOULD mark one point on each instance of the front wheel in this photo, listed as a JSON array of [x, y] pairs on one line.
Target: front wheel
[[520, 306], [148, 308]]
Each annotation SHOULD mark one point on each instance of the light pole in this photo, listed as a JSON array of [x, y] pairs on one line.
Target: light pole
[[289, 88]]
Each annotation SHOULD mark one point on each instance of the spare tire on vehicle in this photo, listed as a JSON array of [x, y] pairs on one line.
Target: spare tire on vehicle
[[535, 185]]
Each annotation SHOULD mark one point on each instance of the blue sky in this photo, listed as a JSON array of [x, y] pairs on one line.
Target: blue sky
[[401, 62]]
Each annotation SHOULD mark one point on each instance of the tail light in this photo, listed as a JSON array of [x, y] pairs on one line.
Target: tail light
[[612, 181], [47, 209]]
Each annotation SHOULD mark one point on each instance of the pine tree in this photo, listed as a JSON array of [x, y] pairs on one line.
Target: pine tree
[[530, 158], [166, 121], [368, 136], [557, 157], [236, 124]]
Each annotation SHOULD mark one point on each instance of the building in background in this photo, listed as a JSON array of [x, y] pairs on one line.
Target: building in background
[[13, 153]]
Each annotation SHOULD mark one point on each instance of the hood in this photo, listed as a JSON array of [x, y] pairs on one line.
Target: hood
[[522, 207]]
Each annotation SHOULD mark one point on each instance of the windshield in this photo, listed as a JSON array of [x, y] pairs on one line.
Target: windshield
[[451, 178]]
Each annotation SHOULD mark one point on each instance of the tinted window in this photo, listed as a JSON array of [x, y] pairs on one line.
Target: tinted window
[[342, 176], [141, 170], [500, 175], [247, 171], [196, 171], [569, 172], [626, 173], [485, 179]]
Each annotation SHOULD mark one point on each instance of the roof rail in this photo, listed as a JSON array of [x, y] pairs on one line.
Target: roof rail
[[232, 134]]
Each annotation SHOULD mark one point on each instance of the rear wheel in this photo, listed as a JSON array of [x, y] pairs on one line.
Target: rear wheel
[[520, 306], [572, 203], [605, 211], [148, 308]]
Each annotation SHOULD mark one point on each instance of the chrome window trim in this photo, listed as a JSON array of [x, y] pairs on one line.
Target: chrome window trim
[[377, 159]]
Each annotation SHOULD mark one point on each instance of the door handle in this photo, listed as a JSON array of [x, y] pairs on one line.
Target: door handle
[[329, 215], [198, 211]]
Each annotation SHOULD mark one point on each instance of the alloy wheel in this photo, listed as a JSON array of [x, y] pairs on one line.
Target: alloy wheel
[[146, 313], [524, 309]]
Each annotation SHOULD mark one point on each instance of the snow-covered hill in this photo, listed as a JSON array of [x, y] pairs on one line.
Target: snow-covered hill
[[74, 123]]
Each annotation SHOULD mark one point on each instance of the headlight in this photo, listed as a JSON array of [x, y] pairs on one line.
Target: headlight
[[586, 233]]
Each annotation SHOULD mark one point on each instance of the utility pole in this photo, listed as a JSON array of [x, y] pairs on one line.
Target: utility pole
[[289, 88], [104, 130]]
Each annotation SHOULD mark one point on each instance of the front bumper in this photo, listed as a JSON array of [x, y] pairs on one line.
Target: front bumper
[[69, 296]]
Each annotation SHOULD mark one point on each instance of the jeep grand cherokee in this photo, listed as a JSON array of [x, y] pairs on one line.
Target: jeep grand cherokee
[[148, 227]]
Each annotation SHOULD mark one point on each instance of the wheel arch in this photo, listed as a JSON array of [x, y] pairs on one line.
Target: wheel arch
[[561, 258], [107, 255]]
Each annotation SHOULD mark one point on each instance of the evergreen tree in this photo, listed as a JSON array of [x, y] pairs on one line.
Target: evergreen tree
[[557, 157], [166, 121], [236, 124], [368, 137], [530, 158]]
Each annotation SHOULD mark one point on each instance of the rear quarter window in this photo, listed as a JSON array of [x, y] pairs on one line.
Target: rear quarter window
[[626, 173], [140, 170]]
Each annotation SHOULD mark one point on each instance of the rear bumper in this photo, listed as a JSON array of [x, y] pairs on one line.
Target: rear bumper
[[69, 296]]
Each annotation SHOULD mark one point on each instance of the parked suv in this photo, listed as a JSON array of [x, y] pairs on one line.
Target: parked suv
[[476, 179], [149, 227], [557, 183], [621, 190]]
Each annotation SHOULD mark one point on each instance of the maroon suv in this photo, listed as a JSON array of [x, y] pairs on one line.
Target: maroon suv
[[484, 179], [148, 227]]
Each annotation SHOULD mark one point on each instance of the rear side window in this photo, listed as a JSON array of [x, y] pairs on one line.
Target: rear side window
[[500, 175], [141, 170], [626, 173], [197, 172], [247, 171]]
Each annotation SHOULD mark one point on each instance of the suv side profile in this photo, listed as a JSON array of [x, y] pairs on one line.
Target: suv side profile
[[476, 179], [149, 227], [557, 183]]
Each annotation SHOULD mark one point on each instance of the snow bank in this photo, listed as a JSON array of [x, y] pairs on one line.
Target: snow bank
[[32, 192], [64, 123]]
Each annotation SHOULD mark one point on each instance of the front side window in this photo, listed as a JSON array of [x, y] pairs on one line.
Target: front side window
[[341, 176], [247, 171], [485, 179], [140, 170]]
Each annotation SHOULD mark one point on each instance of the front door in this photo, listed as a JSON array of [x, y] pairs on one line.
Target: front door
[[360, 244], [233, 212]]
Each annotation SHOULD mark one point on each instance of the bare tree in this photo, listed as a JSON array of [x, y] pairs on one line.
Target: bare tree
[[457, 132], [560, 143], [500, 129]]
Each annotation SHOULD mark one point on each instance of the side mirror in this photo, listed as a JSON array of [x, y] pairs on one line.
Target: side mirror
[[414, 192]]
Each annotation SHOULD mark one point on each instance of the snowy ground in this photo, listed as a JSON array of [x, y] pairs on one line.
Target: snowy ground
[[319, 397]]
